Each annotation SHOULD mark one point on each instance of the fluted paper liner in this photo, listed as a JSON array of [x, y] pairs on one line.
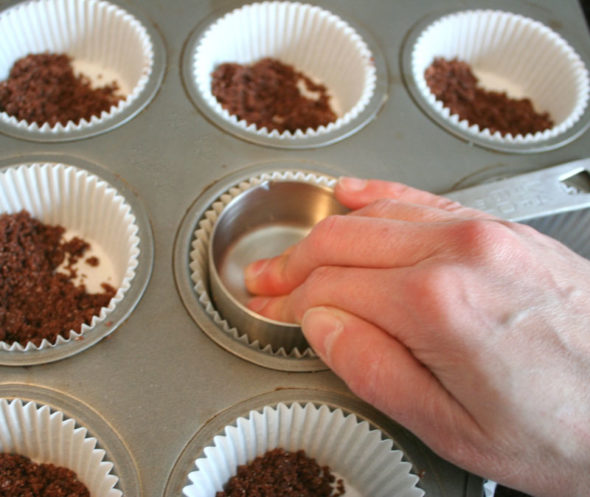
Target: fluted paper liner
[[86, 206], [368, 464], [313, 40], [48, 436], [512, 53], [106, 43], [199, 259]]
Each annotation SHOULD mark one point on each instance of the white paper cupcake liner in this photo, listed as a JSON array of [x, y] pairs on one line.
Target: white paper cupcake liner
[[199, 265], [48, 436], [368, 464], [489, 488], [105, 42], [313, 40], [512, 53], [86, 206]]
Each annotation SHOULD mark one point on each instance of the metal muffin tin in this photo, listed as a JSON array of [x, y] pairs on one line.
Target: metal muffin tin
[[163, 384]]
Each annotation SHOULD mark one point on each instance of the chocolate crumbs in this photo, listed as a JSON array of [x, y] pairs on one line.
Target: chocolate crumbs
[[280, 473], [42, 88], [453, 82], [21, 477], [92, 261], [268, 94], [37, 301]]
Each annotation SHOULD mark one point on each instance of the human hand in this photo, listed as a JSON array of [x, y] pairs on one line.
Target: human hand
[[472, 332]]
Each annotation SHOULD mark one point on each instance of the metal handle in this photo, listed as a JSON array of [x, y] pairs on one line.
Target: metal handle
[[553, 190]]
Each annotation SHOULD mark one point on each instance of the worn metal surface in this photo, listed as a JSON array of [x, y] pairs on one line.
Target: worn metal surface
[[159, 383], [546, 192]]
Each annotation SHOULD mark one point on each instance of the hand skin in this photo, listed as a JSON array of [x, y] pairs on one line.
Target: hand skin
[[472, 332]]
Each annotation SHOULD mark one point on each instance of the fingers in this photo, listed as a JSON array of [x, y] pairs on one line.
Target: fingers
[[384, 373], [355, 289], [356, 193], [388, 208], [335, 241], [275, 308], [386, 240], [378, 296]]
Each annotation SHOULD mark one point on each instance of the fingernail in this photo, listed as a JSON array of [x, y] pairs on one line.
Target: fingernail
[[255, 269], [352, 184], [321, 327], [256, 304]]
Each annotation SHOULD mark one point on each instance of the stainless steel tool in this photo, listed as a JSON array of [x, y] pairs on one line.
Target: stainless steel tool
[[542, 193], [262, 222]]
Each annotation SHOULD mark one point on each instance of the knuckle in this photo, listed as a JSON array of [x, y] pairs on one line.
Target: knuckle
[[401, 189], [449, 205], [483, 238]]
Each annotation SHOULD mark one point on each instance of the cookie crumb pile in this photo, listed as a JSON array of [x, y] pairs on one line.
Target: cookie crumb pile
[[36, 301], [19, 476], [42, 88], [453, 83], [272, 95], [279, 473]]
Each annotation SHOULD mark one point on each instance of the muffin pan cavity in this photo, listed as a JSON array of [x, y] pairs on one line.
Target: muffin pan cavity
[[372, 457], [250, 216], [506, 52], [88, 205], [92, 33], [50, 427], [341, 441], [313, 40]]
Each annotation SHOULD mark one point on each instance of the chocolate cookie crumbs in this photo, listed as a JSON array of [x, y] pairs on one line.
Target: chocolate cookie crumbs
[[280, 473], [92, 261], [37, 301], [268, 94], [21, 477], [453, 82], [42, 88]]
